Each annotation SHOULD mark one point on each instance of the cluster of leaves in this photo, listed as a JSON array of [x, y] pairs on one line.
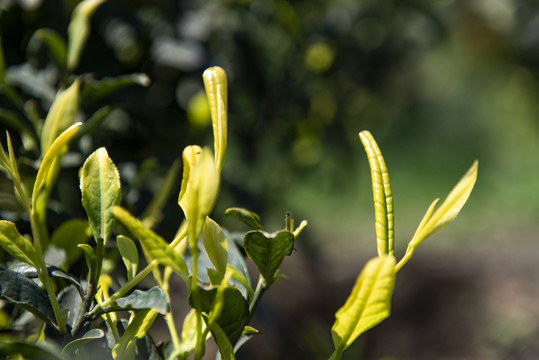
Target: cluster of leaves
[[370, 300], [82, 315]]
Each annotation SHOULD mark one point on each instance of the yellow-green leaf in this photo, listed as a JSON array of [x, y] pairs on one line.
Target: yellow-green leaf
[[200, 186], [449, 208], [137, 329], [61, 115], [153, 243], [215, 82], [79, 29], [101, 190], [382, 196], [16, 245], [215, 244], [52, 155], [368, 304], [128, 251]]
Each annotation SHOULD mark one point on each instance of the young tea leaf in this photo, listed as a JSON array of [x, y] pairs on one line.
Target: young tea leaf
[[200, 186], [129, 253], [215, 244], [137, 329], [248, 217], [100, 188], [153, 243], [52, 155], [268, 250], [79, 29], [96, 89], [383, 198], [368, 304], [449, 208], [215, 82], [61, 115], [16, 245]]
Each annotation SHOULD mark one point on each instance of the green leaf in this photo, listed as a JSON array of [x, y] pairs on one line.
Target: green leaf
[[137, 329], [25, 293], [97, 89], [268, 250], [368, 304], [129, 253], [215, 82], [153, 243], [382, 196], [234, 310], [52, 155], [61, 115], [91, 259], [90, 336], [449, 208], [215, 244], [152, 299], [188, 336], [54, 42], [200, 186], [223, 342], [16, 245], [68, 236], [30, 271], [248, 217], [153, 213], [79, 29], [29, 351], [100, 188]]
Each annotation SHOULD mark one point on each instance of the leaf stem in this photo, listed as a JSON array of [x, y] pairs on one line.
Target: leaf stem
[[260, 289]]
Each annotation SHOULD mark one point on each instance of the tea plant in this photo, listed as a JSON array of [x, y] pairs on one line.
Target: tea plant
[[61, 312]]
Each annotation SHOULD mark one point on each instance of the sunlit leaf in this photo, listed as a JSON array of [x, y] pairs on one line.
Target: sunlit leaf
[[128, 251], [16, 245], [100, 188], [137, 329], [215, 82], [450, 207], [248, 217], [52, 155], [79, 29], [268, 250], [368, 304], [382, 196], [61, 115], [152, 299], [90, 336], [200, 186], [215, 244], [153, 243]]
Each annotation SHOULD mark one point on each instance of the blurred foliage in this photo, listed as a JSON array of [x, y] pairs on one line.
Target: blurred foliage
[[440, 83]]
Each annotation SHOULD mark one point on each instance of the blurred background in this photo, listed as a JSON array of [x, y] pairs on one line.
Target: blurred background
[[439, 83]]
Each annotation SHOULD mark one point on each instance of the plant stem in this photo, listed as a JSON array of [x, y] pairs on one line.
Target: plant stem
[[260, 289], [409, 253]]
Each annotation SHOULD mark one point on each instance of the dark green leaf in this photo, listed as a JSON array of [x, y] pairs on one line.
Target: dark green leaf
[[248, 217], [96, 89], [90, 336], [137, 329], [54, 42], [268, 250], [21, 291], [29, 351], [234, 314], [30, 272]]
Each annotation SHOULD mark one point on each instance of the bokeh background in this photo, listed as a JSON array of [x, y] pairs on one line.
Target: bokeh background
[[439, 83]]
